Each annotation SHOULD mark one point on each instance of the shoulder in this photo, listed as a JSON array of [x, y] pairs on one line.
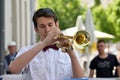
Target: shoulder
[[7, 56], [93, 62], [95, 58], [24, 49], [111, 55]]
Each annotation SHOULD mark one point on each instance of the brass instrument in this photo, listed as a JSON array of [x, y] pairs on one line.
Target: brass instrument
[[81, 39]]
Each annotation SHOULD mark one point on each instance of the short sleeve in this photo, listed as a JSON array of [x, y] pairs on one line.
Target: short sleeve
[[93, 64], [116, 63]]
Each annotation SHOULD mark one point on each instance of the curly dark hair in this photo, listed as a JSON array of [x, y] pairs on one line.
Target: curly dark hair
[[44, 12], [100, 40]]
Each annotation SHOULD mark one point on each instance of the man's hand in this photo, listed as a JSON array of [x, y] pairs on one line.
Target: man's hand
[[50, 39], [64, 43]]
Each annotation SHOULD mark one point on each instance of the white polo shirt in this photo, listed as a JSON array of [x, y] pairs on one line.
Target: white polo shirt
[[49, 65]]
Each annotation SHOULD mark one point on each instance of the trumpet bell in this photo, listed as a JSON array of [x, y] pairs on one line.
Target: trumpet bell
[[81, 39]]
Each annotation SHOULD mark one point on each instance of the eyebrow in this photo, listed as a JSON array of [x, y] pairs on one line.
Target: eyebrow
[[50, 23], [44, 24]]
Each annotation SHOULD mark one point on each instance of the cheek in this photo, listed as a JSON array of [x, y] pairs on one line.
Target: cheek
[[39, 31], [42, 33]]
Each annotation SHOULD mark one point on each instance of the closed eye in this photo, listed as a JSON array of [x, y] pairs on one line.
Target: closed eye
[[50, 24], [41, 26]]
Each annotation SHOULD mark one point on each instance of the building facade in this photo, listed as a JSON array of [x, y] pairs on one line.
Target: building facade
[[18, 22]]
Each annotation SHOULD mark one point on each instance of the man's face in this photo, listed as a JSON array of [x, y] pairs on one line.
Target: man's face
[[12, 49], [101, 47], [44, 25]]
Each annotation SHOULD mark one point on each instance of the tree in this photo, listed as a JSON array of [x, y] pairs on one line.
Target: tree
[[113, 13], [66, 10], [108, 20]]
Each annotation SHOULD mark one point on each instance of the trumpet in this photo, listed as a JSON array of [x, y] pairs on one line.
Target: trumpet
[[81, 39]]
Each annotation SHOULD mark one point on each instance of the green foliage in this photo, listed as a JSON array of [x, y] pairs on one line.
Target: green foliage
[[97, 2], [101, 20], [108, 20], [66, 10], [114, 17]]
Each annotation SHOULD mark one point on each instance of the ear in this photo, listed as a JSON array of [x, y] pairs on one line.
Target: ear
[[57, 24], [36, 29]]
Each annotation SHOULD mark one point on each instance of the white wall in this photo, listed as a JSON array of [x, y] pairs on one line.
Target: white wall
[[18, 22], [8, 24]]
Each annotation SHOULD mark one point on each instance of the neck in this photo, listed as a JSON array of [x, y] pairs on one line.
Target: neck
[[103, 55]]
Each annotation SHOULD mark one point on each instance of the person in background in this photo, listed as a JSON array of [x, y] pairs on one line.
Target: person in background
[[12, 48], [103, 63], [85, 68], [43, 60], [118, 57]]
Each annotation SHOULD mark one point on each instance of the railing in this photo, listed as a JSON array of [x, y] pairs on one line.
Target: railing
[[22, 77], [94, 79], [12, 77]]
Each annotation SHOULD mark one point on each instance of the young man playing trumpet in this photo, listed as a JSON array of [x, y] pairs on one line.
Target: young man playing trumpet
[[38, 61]]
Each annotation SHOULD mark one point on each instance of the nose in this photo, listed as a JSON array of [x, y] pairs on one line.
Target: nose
[[47, 28]]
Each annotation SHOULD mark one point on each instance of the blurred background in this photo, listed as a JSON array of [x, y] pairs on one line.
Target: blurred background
[[101, 18]]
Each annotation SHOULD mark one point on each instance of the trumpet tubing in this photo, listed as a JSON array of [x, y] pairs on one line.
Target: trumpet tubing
[[81, 39]]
